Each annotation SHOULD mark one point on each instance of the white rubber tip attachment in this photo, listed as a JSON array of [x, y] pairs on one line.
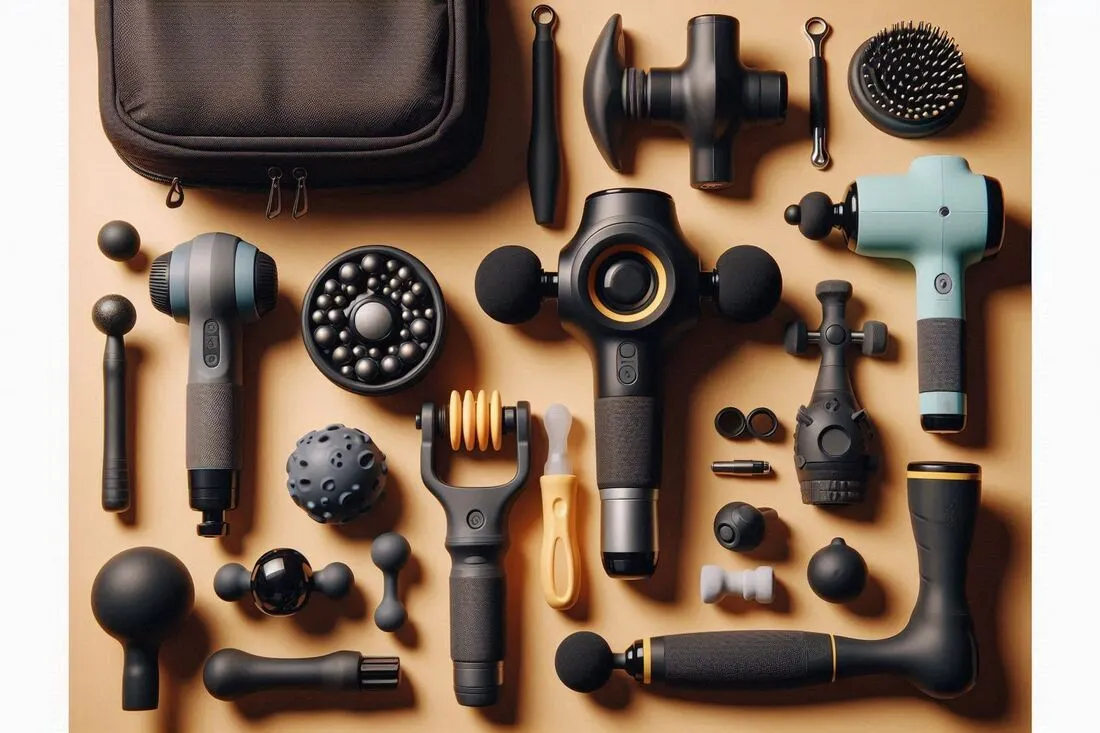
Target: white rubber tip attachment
[[557, 421], [752, 585]]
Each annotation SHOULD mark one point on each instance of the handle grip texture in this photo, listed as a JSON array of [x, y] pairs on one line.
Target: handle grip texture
[[559, 535], [941, 366], [115, 494], [230, 673], [477, 632], [743, 659], [628, 442], [213, 426], [544, 148]]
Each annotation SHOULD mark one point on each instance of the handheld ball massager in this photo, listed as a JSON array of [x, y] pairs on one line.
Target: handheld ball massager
[[707, 98], [628, 284], [941, 218], [216, 283]]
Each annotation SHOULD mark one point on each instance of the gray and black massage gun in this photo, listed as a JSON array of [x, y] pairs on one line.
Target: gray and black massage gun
[[216, 283], [940, 217]]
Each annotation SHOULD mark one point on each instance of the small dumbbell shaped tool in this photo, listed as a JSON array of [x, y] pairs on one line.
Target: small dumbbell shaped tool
[[559, 520], [752, 585], [282, 582], [389, 552], [833, 435]]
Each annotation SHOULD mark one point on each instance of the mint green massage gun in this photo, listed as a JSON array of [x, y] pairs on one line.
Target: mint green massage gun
[[941, 218]]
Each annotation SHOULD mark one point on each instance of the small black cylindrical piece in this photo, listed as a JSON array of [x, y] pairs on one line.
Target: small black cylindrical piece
[[741, 468]]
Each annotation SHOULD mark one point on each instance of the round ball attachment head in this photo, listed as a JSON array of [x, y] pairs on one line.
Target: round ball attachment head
[[119, 240], [139, 597], [837, 573], [716, 583], [740, 527], [707, 98], [282, 581]]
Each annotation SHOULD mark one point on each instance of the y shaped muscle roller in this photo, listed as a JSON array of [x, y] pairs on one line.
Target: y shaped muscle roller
[[833, 435], [706, 98], [935, 651], [477, 533], [282, 581]]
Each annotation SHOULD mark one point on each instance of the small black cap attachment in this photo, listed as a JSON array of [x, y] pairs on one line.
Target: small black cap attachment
[[379, 673], [730, 423], [762, 423], [740, 527], [119, 240], [837, 573]]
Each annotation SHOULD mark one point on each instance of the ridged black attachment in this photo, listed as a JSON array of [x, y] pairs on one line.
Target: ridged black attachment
[[158, 283], [267, 283]]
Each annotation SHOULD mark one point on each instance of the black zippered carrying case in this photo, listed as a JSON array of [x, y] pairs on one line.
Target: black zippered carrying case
[[262, 94]]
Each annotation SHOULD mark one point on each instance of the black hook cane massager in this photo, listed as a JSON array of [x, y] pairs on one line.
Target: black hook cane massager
[[477, 533], [935, 651], [628, 284]]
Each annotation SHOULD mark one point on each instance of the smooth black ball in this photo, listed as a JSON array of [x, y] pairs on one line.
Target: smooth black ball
[[837, 573], [813, 215], [508, 284], [281, 582], [749, 283], [114, 315], [142, 594], [119, 240], [584, 661]]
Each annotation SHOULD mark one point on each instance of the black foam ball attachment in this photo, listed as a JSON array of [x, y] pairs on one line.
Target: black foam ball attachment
[[584, 661], [749, 283], [813, 215], [119, 240], [114, 315], [508, 284], [836, 572]]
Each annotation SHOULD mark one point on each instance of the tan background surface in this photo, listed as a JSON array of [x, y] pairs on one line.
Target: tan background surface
[[451, 227]]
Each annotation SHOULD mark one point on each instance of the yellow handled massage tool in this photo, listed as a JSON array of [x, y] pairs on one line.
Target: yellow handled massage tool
[[559, 519]]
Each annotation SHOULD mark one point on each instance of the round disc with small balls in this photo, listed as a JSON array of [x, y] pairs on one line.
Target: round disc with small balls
[[373, 320], [336, 474]]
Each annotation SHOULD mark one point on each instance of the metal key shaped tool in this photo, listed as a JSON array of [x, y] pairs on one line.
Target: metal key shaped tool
[[816, 30]]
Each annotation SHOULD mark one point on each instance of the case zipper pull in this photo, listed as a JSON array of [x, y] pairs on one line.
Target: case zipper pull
[[275, 193], [301, 196], [174, 199]]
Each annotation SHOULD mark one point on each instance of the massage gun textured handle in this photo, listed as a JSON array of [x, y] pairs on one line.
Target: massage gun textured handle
[[544, 149], [628, 442], [116, 466], [477, 618], [745, 659], [231, 673], [941, 354], [213, 426], [817, 92]]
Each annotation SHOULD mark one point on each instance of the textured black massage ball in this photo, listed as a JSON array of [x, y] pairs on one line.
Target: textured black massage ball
[[837, 573], [119, 240], [373, 320], [336, 474]]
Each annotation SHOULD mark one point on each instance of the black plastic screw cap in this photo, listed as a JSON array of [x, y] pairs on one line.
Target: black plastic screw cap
[[813, 215], [749, 283], [139, 597], [114, 315], [119, 240], [508, 284], [389, 552], [740, 527], [837, 573], [584, 661]]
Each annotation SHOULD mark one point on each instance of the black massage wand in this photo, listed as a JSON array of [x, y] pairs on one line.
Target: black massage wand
[[114, 316], [935, 651]]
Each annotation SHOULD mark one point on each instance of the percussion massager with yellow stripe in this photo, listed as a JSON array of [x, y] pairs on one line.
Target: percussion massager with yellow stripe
[[477, 532], [628, 284], [935, 651]]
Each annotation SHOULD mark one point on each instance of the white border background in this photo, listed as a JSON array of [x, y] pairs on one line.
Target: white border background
[[33, 298]]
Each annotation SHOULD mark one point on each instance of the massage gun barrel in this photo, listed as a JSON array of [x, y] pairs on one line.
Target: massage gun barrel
[[116, 466], [544, 148], [230, 673], [477, 621]]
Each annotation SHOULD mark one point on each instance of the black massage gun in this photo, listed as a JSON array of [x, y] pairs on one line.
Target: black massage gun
[[627, 284], [706, 98], [216, 283], [936, 650]]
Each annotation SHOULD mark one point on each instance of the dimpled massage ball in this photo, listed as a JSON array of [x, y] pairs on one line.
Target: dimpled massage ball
[[336, 474]]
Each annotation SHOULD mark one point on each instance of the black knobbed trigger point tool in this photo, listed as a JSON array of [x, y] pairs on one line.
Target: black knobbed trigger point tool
[[817, 30], [477, 533]]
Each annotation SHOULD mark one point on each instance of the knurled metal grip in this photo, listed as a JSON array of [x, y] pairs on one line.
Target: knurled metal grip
[[833, 437]]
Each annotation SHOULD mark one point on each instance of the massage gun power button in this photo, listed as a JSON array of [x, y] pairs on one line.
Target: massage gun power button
[[943, 283], [627, 363], [211, 346]]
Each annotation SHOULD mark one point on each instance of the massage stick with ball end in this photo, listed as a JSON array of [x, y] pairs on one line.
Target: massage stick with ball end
[[935, 651], [140, 597], [114, 316], [559, 517]]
